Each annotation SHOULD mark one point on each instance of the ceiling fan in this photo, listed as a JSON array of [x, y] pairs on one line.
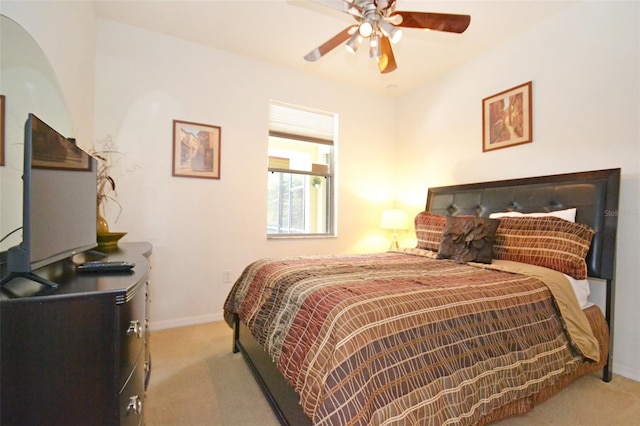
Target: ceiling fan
[[378, 21]]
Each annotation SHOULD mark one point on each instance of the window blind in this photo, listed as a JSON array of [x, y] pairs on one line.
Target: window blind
[[301, 124]]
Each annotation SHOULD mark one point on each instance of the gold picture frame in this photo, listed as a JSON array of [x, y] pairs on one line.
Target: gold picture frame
[[196, 150], [507, 118]]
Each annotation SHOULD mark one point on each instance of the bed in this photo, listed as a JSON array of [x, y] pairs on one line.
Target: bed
[[469, 327]]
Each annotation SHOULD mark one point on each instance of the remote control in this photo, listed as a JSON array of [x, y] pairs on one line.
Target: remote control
[[105, 266]]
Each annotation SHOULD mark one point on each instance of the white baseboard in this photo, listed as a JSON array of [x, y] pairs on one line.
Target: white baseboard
[[627, 372], [183, 322]]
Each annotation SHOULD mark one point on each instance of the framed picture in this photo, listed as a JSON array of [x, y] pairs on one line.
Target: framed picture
[[1, 130], [196, 150], [507, 118]]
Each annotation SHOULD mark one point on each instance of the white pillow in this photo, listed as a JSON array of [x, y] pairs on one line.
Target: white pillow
[[581, 289], [568, 214]]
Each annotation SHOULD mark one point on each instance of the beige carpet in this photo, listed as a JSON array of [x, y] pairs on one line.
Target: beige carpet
[[197, 381]]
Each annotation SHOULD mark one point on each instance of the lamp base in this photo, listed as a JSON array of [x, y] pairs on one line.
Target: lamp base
[[394, 242]]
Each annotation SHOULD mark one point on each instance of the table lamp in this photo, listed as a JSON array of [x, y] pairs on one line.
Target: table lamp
[[396, 220]]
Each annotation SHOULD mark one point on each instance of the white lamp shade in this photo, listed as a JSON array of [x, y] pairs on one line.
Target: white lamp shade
[[395, 219], [353, 43], [394, 33]]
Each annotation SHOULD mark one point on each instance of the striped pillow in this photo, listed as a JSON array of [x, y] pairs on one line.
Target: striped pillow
[[429, 227], [544, 241]]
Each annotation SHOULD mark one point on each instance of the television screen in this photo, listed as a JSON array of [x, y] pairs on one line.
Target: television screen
[[59, 200]]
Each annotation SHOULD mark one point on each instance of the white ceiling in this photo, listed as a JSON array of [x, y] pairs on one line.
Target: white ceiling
[[281, 32]]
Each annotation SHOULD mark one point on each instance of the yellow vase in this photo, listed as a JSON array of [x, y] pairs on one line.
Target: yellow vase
[[102, 225]]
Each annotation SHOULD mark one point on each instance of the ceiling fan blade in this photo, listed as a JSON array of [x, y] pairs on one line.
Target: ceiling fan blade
[[342, 5], [435, 21], [384, 4], [386, 62], [330, 44]]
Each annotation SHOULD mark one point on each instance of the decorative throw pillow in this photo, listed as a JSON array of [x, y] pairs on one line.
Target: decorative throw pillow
[[429, 227], [468, 239], [545, 241]]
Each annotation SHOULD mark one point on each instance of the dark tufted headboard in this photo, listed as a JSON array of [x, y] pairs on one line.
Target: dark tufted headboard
[[594, 194]]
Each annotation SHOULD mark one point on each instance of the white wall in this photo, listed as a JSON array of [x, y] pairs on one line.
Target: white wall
[[585, 116], [200, 227], [65, 30]]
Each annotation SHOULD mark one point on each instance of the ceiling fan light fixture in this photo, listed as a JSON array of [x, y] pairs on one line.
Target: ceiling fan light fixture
[[374, 46], [365, 29], [353, 43], [394, 33]]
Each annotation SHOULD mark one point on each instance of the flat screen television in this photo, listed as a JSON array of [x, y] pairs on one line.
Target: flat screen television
[[59, 202]]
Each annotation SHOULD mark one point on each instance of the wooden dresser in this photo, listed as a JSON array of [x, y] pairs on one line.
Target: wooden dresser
[[77, 354]]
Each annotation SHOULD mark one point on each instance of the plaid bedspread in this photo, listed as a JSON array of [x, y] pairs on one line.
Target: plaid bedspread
[[402, 338]]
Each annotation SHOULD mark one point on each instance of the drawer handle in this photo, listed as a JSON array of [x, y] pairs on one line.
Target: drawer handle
[[135, 405], [135, 328]]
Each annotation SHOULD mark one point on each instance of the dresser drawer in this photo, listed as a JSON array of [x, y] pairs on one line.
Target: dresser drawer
[[132, 397], [131, 333]]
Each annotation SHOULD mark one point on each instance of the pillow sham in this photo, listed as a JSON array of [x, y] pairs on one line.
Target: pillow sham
[[429, 227], [468, 239], [544, 241], [567, 214]]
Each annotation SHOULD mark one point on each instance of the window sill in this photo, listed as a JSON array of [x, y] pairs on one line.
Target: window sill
[[299, 236]]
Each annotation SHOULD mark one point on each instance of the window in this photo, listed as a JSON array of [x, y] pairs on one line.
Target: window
[[300, 199]]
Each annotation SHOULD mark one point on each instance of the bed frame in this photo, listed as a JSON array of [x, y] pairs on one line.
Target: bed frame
[[595, 195]]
